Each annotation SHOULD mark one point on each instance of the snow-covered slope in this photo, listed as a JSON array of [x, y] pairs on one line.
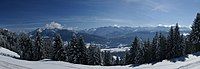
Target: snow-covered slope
[[122, 49], [11, 63], [4, 51], [192, 62]]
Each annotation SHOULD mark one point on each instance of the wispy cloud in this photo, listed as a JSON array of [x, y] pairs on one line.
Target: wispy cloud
[[161, 8], [93, 19], [151, 4]]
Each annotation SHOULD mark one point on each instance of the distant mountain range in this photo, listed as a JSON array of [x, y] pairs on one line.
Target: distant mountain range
[[113, 31], [110, 36], [66, 35]]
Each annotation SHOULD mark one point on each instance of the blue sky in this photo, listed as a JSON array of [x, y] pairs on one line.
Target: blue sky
[[31, 14]]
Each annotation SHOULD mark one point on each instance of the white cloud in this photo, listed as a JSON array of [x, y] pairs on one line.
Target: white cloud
[[72, 28], [162, 25], [115, 25], [54, 25]]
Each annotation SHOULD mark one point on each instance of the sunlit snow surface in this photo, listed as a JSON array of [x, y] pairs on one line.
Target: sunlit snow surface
[[8, 52], [122, 49], [192, 62]]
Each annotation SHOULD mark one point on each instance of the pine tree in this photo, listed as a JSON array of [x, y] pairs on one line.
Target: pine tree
[[162, 46], [155, 48], [189, 47], [48, 48], [3, 41], [71, 49], [148, 54], [139, 52], [182, 45], [14, 43], [37, 49], [106, 58], [26, 46], [170, 44], [59, 52], [126, 58], [76, 51], [81, 52], [195, 33], [132, 53], [93, 53], [117, 61], [10, 40], [177, 42], [139, 58]]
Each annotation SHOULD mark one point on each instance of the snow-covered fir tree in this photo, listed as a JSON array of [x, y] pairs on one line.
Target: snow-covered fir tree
[[47, 48], [126, 58], [76, 51], [155, 48], [81, 52], [3, 41], [155, 43], [117, 61], [170, 44], [195, 33], [37, 49], [148, 54], [106, 58], [177, 42], [189, 48], [182, 45], [59, 52], [26, 46], [130, 57], [10, 39], [71, 52], [139, 54], [93, 53], [162, 46]]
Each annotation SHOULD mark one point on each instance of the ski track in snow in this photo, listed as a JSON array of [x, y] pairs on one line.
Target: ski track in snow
[[6, 65], [190, 65], [67, 66]]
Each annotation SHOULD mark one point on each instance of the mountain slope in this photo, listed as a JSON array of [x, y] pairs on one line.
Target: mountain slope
[[125, 35], [113, 32], [109, 36], [66, 35]]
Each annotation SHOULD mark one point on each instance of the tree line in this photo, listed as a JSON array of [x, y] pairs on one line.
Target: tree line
[[38, 48], [159, 48], [162, 47]]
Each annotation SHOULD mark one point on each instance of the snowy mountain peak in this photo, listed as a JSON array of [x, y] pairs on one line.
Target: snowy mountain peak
[[54, 25]]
